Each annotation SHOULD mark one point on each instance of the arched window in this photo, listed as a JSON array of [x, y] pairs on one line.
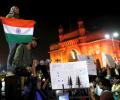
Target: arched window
[[73, 55]]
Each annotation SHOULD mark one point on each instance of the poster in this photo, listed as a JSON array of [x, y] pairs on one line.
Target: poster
[[110, 60], [62, 73], [90, 64], [104, 59]]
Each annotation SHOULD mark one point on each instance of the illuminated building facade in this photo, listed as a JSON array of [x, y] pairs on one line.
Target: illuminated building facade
[[81, 42]]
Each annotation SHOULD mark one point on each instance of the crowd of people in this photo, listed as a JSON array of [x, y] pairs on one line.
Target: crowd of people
[[106, 85], [32, 73], [35, 77]]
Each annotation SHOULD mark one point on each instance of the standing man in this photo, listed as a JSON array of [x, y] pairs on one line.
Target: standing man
[[23, 60], [14, 13], [23, 55]]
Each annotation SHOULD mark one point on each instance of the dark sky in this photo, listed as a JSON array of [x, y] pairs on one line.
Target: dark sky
[[49, 16]]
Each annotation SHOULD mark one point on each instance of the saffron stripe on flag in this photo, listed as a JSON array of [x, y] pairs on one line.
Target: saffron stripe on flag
[[18, 22]]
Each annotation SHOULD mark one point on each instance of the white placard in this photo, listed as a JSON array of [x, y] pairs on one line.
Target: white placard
[[60, 72], [111, 61], [91, 67], [104, 60], [90, 64]]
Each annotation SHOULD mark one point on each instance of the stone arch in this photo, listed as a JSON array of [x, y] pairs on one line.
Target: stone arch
[[73, 55]]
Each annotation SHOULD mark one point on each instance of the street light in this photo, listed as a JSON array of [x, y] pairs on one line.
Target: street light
[[115, 34], [112, 36], [107, 36]]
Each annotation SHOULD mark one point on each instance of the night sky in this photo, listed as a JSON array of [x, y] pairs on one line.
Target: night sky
[[49, 16]]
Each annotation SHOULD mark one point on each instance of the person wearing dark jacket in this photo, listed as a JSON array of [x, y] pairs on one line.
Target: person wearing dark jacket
[[44, 79]]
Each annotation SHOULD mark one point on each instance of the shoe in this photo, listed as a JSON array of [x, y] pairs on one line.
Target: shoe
[[9, 73]]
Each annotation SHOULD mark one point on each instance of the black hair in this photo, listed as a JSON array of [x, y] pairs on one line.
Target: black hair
[[34, 39], [105, 82], [116, 76]]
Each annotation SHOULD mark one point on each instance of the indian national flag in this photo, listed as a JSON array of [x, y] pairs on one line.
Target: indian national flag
[[18, 30]]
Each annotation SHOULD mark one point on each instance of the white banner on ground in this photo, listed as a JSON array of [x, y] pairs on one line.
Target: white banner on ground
[[61, 72]]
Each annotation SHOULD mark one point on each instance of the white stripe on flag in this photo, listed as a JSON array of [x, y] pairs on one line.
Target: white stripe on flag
[[18, 30]]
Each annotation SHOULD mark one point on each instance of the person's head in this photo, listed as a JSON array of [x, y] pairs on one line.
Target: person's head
[[14, 10], [116, 79], [47, 61], [104, 83], [35, 61], [42, 62], [34, 42]]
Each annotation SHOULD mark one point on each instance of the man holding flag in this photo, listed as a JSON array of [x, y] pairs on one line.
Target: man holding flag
[[17, 31], [13, 13]]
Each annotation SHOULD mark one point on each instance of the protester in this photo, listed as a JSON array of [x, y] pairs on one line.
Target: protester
[[43, 79], [13, 13], [23, 55], [23, 64], [105, 86], [116, 87]]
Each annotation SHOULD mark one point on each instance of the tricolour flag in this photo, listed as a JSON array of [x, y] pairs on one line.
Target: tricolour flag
[[18, 30]]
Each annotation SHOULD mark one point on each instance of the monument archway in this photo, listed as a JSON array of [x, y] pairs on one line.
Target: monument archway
[[73, 55]]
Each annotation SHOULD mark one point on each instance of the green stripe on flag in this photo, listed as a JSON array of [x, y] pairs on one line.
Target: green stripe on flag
[[18, 38]]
